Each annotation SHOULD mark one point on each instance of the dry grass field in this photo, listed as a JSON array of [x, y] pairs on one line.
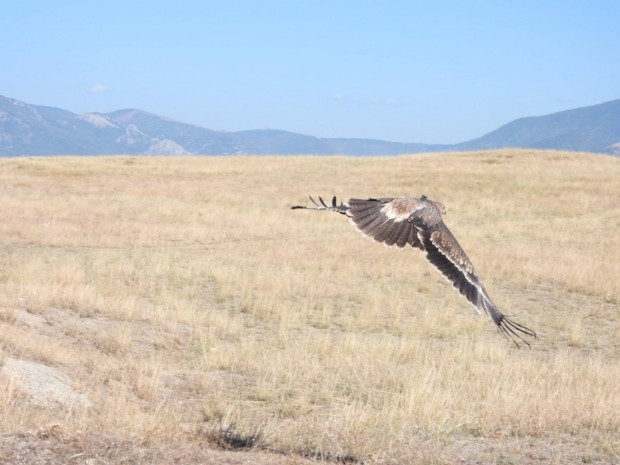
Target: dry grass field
[[175, 310]]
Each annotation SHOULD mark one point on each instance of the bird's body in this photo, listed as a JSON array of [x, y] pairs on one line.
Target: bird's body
[[418, 222]]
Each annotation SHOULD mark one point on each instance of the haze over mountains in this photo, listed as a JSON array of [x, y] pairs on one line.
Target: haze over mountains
[[39, 130]]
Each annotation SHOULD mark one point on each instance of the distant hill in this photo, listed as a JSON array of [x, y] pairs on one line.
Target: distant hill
[[589, 129], [38, 130]]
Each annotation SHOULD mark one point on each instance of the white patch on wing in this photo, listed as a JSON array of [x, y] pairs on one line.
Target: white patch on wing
[[396, 214]]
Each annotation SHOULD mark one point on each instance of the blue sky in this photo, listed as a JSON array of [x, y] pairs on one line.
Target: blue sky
[[409, 71]]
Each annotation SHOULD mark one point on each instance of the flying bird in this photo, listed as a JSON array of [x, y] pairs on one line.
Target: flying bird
[[417, 222]]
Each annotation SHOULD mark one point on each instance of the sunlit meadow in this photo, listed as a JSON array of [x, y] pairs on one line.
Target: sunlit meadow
[[188, 304]]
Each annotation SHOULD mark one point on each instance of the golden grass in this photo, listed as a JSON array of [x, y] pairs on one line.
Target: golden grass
[[189, 304]]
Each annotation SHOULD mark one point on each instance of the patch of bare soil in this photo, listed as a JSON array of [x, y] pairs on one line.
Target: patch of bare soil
[[44, 385]]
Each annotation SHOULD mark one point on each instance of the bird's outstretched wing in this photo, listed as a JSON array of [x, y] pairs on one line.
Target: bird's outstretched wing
[[445, 253], [385, 220], [418, 222]]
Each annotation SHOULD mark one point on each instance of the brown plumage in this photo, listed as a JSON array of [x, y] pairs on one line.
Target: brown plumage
[[418, 222]]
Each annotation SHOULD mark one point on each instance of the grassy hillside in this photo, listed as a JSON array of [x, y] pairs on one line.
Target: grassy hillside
[[179, 308]]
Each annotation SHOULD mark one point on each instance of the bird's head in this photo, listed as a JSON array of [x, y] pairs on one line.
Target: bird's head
[[440, 206]]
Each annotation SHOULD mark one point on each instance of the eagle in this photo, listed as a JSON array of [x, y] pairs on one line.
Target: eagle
[[418, 222]]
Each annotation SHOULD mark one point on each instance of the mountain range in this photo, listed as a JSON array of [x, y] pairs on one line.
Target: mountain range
[[27, 129]]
